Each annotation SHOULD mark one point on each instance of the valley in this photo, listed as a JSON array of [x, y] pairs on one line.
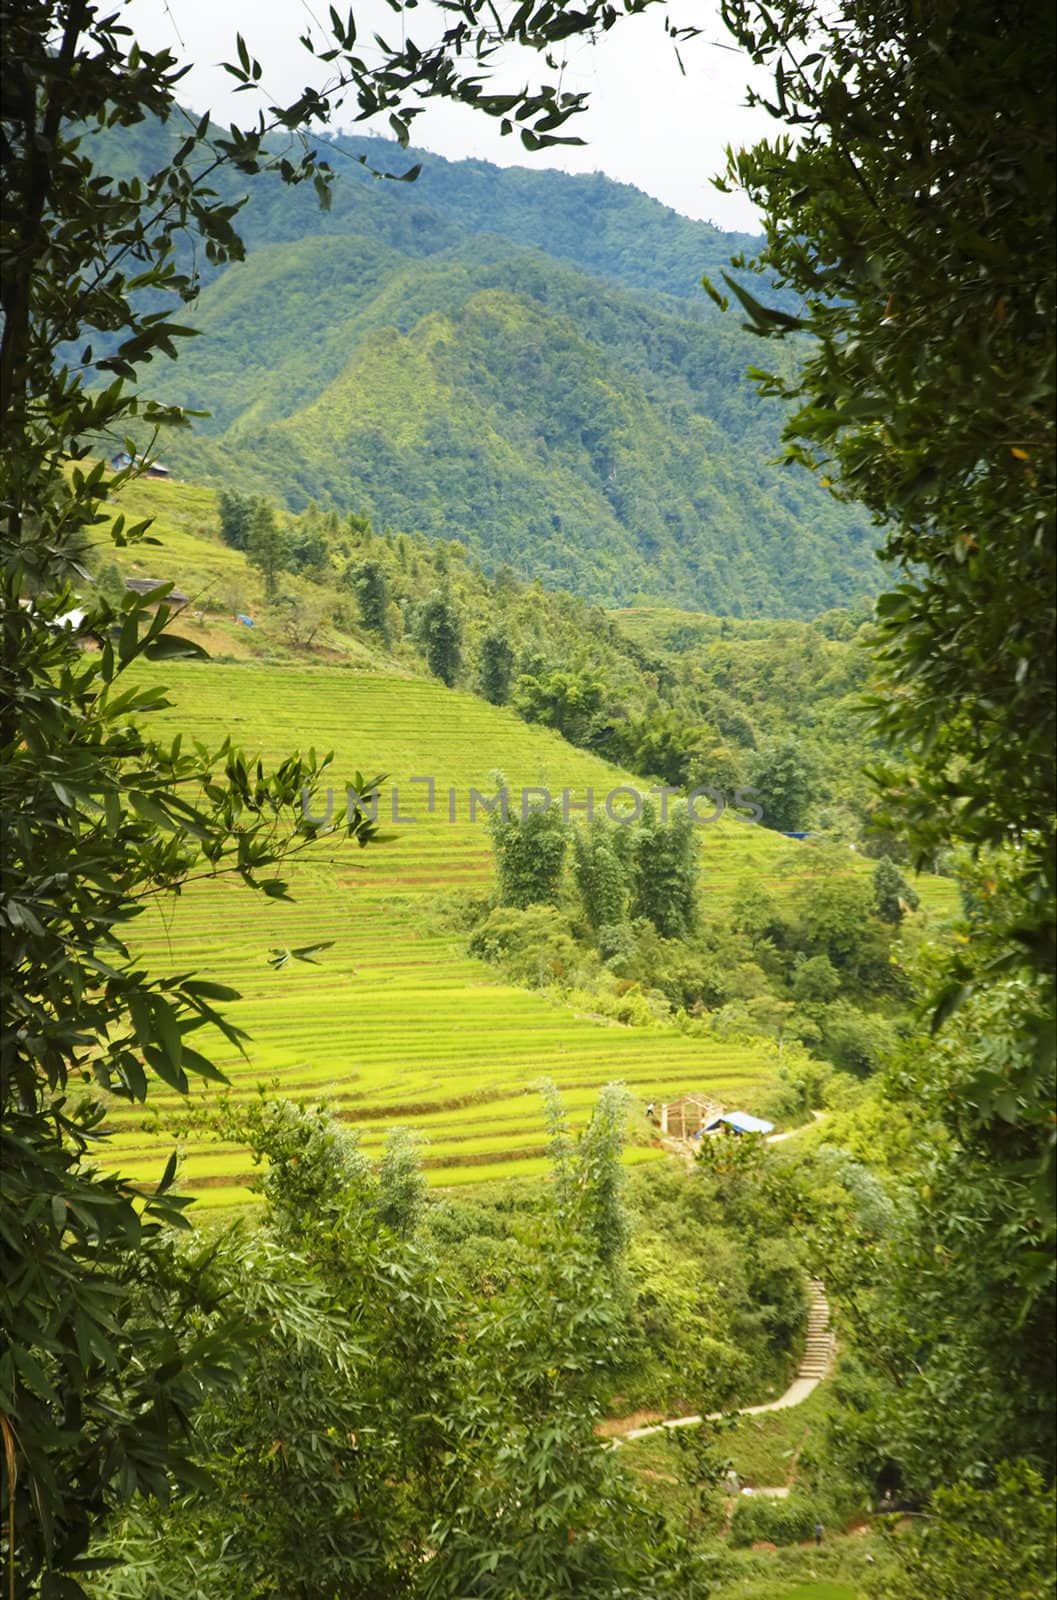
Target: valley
[[527, 1066], [405, 1026]]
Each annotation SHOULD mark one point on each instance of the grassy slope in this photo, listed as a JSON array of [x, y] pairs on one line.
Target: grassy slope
[[553, 421], [396, 1023]]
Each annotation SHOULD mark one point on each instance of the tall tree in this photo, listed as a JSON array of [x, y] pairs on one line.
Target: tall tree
[[441, 631], [913, 220], [235, 512], [372, 591], [893, 895], [665, 872], [100, 1373], [567, 701], [497, 668], [530, 852], [783, 777], [601, 875], [98, 1378], [267, 546]]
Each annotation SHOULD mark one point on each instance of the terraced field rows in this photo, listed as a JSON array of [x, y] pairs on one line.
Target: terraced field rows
[[396, 1023]]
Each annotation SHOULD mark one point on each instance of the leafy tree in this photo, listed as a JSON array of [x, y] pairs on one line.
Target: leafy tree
[[893, 896], [589, 1179], [401, 1186], [309, 546], [835, 919], [441, 631], [913, 256], [534, 945], [497, 668], [104, 821], [816, 979], [530, 855], [601, 875], [267, 546], [993, 1543], [964, 1391], [303, 614], [784, 777], [372, 591], [236, 513], [101, 1371], [566, 701], [854, 1039], [662, 744], [665, 872], [393, 1436]]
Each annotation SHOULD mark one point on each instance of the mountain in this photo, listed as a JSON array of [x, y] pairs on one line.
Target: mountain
[[520, 360]]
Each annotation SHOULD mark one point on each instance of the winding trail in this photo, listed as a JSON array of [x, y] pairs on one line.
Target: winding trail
[[819, 1346], [815, 1365]]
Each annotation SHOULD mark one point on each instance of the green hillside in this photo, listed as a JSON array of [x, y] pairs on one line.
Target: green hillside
[[463, 369], [673, 695], [561, 427], [609, 229], [396, 1023]]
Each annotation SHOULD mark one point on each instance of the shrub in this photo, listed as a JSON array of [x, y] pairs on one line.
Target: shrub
[[533, 945]]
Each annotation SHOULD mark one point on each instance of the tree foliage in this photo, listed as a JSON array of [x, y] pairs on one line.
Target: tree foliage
[[893, 896], [665, 871], [394, 1434], [441, 630], [497, 668], [913, 217], [372, 591], [99, 1377], [530, 850], [267, 546]]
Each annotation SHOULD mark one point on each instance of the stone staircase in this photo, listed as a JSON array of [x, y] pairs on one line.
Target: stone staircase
[[818, 1347]]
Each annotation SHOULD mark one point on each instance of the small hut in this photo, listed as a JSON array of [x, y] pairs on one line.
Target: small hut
[[738, 1122], [687, 1116], [175, 597]]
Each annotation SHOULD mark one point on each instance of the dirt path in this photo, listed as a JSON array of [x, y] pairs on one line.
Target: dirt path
[[791, 1133], [814, 1367]]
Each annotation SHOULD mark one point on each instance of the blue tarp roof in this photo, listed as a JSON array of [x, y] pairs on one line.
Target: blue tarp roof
[[743, 1122]]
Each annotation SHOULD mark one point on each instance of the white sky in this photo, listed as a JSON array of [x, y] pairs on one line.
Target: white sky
[[648, 124]]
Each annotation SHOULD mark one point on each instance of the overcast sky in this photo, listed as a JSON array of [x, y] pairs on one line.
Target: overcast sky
[[648, 124]]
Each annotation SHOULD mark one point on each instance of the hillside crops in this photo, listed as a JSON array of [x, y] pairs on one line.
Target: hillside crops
[[396, 1024]]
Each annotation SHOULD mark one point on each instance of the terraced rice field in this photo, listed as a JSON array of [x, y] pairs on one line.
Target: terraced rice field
[[396, 1024]]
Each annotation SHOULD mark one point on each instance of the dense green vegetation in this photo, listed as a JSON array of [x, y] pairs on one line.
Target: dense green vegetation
[[683, 698], [770, 961], [360, 1389], [779, 945]]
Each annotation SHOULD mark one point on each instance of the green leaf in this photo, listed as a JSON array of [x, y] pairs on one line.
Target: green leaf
[[168, 647], [163, 1065]]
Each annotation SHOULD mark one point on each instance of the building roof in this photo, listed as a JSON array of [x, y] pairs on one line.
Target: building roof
[[742, 1122], [175, 597]]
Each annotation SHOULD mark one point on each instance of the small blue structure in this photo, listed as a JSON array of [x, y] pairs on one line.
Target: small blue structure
[[247, 621], [740, 1122]]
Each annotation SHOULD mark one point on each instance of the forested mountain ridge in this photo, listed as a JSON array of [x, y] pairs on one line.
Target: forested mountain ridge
[[389, 357], [608, 229]]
